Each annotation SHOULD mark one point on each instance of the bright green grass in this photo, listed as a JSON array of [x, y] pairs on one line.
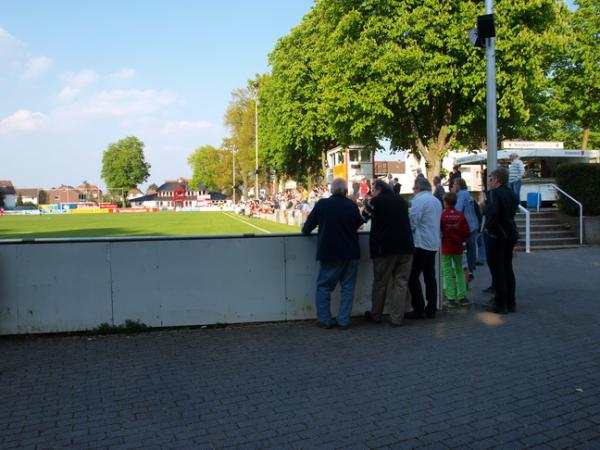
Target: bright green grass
[[134, 224]]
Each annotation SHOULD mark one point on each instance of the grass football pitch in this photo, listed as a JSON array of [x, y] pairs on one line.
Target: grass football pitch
[[135, 224]]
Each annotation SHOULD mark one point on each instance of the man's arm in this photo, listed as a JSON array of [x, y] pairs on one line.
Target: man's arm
[[312, 220], [461, 204], [415, 214]]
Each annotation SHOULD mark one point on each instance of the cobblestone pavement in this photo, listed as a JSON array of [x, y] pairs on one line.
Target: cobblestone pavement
[[467, 379]]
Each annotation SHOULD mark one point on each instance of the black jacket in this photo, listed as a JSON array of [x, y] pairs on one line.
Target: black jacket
[[500, 210], [338, 220], [390, 226]]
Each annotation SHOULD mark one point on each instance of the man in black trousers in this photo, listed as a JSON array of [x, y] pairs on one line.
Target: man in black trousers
[[503, 235]]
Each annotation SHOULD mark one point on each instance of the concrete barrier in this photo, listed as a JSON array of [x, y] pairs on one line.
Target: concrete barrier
[[66, 285]]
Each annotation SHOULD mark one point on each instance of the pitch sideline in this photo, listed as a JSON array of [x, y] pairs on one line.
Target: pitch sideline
[[231, 216]]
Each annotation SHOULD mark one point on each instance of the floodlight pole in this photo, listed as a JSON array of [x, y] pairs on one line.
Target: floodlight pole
[[492, 125], [233, 176], [256, 147]]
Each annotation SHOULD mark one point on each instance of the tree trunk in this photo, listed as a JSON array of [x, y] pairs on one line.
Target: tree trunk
[[433, 168], [586, 138]]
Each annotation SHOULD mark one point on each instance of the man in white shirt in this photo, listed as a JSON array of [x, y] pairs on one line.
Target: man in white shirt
[[516, 170], [425, 214]]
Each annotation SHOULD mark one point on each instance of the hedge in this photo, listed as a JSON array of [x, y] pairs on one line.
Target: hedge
[[581, 181]]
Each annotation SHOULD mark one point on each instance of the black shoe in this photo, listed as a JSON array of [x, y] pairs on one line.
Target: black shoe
[[371, 318], [395, 325], [496, 310], [323, 326], [343, 327], [430, 313], [512, 308], [414, 315], [471, 276], [489, 290]]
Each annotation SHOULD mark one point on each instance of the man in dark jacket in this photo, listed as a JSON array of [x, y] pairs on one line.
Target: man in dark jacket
[[392, 248], [338, 220], [503, 235]]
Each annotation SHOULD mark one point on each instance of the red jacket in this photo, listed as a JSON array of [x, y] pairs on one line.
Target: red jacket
[[455, 231]]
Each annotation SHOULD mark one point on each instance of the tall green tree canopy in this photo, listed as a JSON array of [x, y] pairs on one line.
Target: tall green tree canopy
[[358, 71], [211, 168], [577, 76], [124, 165]]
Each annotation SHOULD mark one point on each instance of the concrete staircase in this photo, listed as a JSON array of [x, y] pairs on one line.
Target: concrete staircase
[[547, 231]]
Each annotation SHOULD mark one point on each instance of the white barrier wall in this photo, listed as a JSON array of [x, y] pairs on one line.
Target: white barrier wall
[[71, 285]]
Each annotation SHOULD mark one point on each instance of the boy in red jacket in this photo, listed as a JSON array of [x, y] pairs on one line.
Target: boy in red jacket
[[455, 231]]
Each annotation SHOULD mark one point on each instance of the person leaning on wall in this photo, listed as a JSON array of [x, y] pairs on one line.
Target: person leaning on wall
[[391, 248], [338, 219]]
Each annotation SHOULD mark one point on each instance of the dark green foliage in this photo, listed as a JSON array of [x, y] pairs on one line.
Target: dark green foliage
[[130, 326], [582, 181]]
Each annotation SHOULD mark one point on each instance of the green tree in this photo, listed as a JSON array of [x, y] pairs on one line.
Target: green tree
[[358, 71], [1, 198], [577, 78], [152, 187], [207, 163], [19, 200], [124, 165]]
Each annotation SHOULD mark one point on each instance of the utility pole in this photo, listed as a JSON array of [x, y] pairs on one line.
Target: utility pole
[[233, 176], [256, 142], [491, 113]]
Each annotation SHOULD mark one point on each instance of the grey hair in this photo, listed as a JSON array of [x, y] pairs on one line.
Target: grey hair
[[422, 184], [380, 184], [339, 187]]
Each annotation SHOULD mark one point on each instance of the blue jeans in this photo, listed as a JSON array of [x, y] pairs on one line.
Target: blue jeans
[[481, 255], [516, 188], [344, 271], [472, 251]]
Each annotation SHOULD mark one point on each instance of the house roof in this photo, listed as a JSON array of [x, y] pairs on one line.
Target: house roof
[[29, 192], [169, 186], [144, 198], [7, 187], [88, 187]]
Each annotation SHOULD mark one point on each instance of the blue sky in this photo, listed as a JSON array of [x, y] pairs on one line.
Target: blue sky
[[78, 75]]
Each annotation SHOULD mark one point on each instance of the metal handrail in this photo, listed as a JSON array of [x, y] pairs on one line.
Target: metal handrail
[[580, 211], [527, 228]]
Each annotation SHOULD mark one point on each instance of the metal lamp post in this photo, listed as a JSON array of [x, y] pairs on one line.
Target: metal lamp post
[[256, 147], [491, 113]]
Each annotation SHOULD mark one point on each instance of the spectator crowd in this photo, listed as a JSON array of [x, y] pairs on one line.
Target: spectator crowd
[[404, 242]]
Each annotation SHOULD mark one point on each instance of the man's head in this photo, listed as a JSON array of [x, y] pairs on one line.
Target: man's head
[[437, 181], [395, 180], [513, 156], [379, 186], [339, 187], [421, 184], [449, 199], [460, 184], [419, 171], [455, 168], [498, 177]]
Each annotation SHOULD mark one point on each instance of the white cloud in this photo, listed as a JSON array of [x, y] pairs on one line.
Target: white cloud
[[23, 119], [118, 103], [35, 67], [174, 127], [123, 74], [76, 83]]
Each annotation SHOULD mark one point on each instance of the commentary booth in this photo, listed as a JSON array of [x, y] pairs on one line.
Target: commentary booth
[[541, 159]]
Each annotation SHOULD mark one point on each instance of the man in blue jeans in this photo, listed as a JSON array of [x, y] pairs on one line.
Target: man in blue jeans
[[338, 252]]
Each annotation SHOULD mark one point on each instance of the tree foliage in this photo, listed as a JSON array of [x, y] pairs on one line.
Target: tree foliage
[[124, 165], [211, 168], [576, 81], [358, 71]]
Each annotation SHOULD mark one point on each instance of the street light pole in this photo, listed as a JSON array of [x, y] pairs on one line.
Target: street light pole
[[491, 113], [256, 149], [233, 176]]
